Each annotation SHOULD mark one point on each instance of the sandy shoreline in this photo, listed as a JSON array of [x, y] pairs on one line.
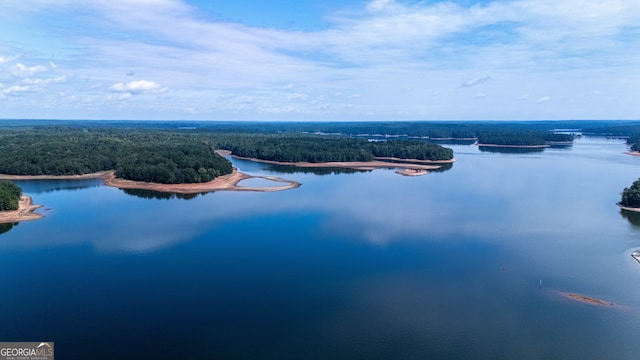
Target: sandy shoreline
[[628, 208], [418, 161], [634, 153], [412, 172], [225, 182], [25, 212], [358, 165]]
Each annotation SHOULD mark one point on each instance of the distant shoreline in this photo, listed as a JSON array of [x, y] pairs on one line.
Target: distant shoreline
[[633, 153], [25, 212]]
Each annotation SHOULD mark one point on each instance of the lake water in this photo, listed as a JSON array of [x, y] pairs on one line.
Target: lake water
[[467, 263]]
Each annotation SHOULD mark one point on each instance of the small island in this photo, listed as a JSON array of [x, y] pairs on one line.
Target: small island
[[634, 142], [586, 299], [630, 199]]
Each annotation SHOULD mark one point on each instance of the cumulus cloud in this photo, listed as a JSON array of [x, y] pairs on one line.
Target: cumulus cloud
[[543, 99], [137, 87]]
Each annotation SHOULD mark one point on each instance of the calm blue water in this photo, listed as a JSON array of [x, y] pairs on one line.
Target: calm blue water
[[360, 265]]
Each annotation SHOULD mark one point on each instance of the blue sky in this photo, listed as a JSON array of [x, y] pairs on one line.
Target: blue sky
[[320, 60]]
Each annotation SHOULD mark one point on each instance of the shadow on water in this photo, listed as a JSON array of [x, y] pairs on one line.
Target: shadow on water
[[288, 169], [452, 142], [46, 186], [631, 216], [6, 227], [442, 168], [510, 150], [561, 146], [150, 194]]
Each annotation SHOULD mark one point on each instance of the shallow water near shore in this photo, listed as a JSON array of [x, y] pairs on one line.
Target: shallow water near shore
[[461, 264]]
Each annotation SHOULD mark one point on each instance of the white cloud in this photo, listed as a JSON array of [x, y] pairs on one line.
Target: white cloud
[[17, 90], [6, 59], [22, 70], [479, 95], [53, 66], [137, 87], [383, 5], [475, 81], [543, 99], [43, 82], [523, 97], [298, 96]]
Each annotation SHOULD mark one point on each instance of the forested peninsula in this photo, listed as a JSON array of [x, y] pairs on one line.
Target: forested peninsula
[[14, 207], [522, 138], [181, 156]]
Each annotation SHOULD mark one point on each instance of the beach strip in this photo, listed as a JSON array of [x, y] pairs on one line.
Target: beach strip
[[25, 212]]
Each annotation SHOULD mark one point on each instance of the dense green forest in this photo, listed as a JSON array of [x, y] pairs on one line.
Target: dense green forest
[[631, 195], [164, 157], [9, 195], [409, 150], [179, 155], [295, 148]]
